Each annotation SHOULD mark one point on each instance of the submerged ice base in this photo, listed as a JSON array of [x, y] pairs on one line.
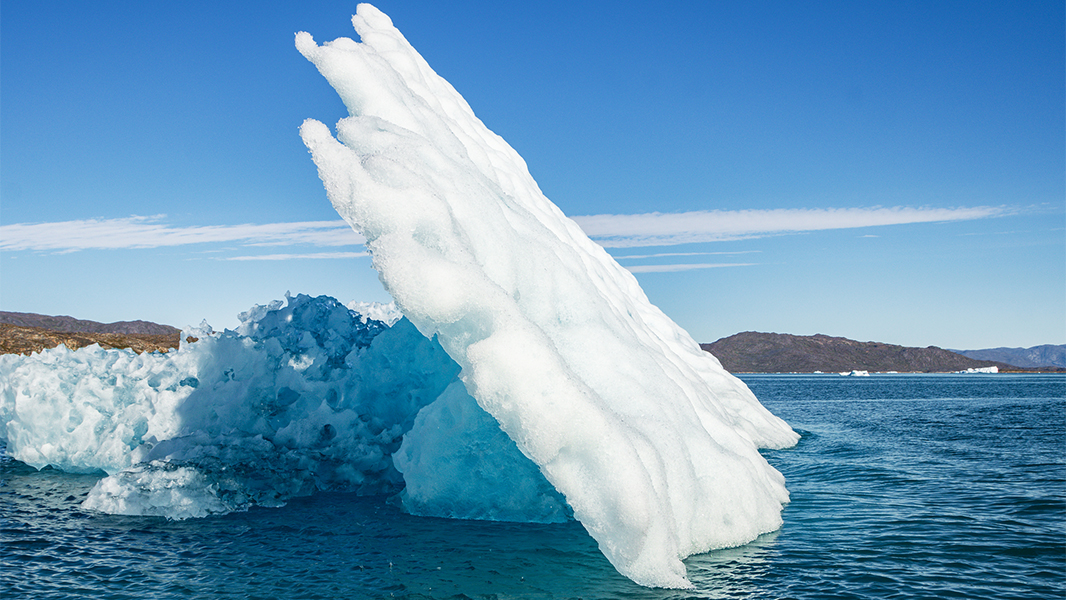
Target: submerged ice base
[[653, 445]]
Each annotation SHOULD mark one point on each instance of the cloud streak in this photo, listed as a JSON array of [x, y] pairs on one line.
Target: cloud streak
[[666, 229], [150, 232], [314, 255], [611, 231], [664, 254], [683, 267]]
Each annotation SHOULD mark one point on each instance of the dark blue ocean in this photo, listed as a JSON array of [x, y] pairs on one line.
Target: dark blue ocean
[[903, 486]]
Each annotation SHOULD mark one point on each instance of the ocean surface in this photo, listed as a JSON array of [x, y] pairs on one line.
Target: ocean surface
[[903, 486]]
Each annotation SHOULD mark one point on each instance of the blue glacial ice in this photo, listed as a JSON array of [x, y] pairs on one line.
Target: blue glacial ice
[[305, 395], [652, 444]]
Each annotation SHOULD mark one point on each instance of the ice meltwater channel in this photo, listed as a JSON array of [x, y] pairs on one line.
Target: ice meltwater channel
[[653, 445]]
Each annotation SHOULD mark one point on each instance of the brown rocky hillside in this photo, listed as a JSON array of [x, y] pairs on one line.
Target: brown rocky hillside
[[22, 337], [72, 325], [753, 352]]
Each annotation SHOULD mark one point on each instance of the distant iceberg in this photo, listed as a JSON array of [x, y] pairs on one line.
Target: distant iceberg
[[652, 444], [992, 369]]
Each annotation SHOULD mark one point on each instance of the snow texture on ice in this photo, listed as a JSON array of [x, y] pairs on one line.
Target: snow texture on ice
[[652, 444], [534, 381]]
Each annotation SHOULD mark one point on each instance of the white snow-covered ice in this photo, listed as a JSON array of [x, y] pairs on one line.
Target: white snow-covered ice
[[992, 369], [386, 313], [652, 444]]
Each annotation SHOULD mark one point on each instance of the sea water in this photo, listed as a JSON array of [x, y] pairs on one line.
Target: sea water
[[903, 486]]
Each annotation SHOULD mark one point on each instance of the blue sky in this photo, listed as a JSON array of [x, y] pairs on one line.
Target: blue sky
[[884, 171]]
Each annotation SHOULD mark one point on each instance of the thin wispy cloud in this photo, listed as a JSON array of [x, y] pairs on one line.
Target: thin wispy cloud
[[665, 229], [683, 267], [313, 255], [612, 231], [152, 232], [666, 254]]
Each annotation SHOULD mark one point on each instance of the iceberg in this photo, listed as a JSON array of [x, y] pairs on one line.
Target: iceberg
[[971, 370], [521, 374], [651, 443]]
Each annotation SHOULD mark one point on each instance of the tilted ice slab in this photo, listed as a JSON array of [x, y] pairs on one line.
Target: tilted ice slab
[[652, 443]]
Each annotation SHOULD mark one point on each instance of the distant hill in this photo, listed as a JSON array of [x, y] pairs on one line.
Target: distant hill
[[72, 325], [23, 333], [753, 352], [15, 339], [1047, 355]]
